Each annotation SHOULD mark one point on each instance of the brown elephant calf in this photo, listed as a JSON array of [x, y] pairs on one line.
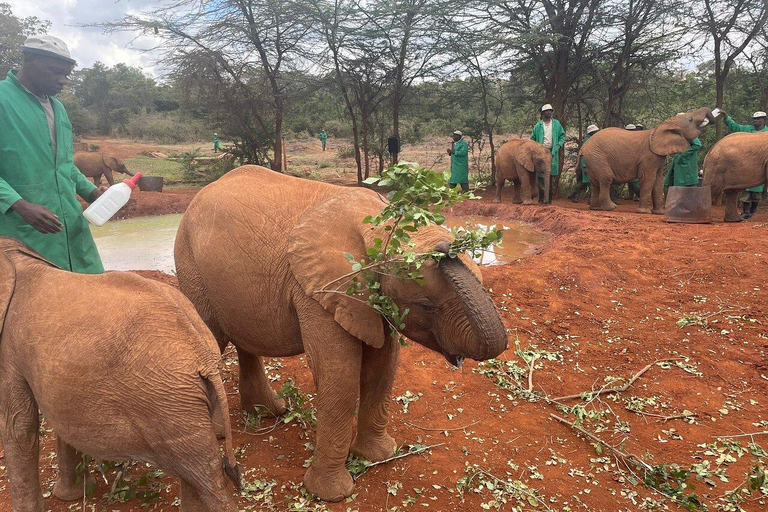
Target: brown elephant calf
[[144, 385], [518, 161], [96, 165]]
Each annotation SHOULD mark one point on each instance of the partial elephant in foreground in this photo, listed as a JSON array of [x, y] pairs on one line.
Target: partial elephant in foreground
[[518, 161], [262, 257], [94, 165], [737, 162], [136, 386], [616, 155]]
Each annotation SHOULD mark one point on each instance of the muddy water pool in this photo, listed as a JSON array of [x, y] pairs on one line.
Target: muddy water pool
[[146, 243]]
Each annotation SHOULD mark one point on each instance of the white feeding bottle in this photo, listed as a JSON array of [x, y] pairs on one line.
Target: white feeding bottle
[[115, 197]]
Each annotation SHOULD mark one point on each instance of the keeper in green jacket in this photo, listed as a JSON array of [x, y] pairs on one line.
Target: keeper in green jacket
[[549, 132], [39, 183], [459, 162], [750, 200], [684, 171], [583, 184]]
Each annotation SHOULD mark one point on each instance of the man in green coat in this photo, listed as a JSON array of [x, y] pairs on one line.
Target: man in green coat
[[684, 171], [583, 184], [459, 162], [39, 183], [323, 138], [549, 132], [216, 143], [750, 200]]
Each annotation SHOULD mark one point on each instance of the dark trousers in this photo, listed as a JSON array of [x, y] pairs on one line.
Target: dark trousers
[[464, 186]]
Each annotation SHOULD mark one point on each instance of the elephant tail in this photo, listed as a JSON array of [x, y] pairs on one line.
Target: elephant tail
[[218, 398]]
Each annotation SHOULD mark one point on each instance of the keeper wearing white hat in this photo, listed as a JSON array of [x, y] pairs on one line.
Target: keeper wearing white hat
[[549, 131], [583, 183], [39, 182]]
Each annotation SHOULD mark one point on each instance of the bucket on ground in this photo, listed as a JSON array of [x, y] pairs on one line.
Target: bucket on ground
[[691, 205], [151, 184]]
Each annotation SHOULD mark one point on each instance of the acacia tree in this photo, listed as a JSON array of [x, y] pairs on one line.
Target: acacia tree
[[642, 37], [553, 38], [250, 45], [730, 25]]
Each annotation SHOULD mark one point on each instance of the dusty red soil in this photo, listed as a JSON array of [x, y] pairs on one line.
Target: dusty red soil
[[605, 295]]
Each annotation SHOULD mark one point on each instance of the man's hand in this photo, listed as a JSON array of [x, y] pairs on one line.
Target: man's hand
[[96, 194], [37, 216]]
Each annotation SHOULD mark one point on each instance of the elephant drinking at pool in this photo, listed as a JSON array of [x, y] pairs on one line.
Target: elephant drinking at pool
[[252, 252], [615, 155]]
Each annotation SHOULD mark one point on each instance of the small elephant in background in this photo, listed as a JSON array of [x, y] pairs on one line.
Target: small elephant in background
[[616, 155], [94, 165], [737, 162], [518, 161], [144, 384]]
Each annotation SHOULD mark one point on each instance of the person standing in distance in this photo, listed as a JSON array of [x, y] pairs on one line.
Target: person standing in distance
[[39, 182], [549, 132], [323, 138], [583, 184], [216, 143], [459, 161]]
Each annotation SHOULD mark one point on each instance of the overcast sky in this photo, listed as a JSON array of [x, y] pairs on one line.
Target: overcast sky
[[89, 45]]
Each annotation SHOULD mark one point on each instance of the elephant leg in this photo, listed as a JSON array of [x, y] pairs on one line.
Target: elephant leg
[[499, 188], [658, 194], [335, 357], [20, 433], [517, 198], [377, 376], [603, 196], [526, 189], [254, 386], [96, 180], [110, 178], [646, 191], [66, 487], [731, 206]]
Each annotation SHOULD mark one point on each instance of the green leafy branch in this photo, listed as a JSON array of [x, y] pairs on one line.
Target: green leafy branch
[[417, 199]]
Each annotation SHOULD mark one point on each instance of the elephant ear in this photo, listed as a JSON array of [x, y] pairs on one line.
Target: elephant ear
[[316, 253], [7, 285], [524, 156], [668, 139], [110, 162]]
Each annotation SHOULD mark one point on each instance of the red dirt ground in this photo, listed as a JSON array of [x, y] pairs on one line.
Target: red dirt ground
[[605, 295]]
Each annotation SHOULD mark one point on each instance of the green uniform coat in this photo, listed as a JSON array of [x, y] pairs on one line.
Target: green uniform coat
[[460, 163], [558, 139], [684, 171], [733, 126], [28, 170], [584, 175], [216, 143]]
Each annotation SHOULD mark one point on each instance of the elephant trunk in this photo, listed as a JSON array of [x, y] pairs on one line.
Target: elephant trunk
[[486, 336]]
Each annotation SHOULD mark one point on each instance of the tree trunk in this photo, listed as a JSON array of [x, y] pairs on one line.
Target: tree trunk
[[277, 163], [719, 93]]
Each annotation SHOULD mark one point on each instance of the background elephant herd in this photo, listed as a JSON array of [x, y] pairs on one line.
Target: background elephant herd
[[614, 155], [255, 265]]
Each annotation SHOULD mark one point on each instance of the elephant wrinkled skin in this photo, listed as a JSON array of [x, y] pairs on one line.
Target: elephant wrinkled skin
[[253, 251], [737, 162], [135, 386], [519, 160], [94, 165], [615, 155]]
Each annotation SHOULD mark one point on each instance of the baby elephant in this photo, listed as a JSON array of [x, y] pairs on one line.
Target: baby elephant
[[94, 165], [518, 161], [143, 385]]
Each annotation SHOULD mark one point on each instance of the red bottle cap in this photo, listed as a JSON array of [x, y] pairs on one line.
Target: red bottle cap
[[133, 181]]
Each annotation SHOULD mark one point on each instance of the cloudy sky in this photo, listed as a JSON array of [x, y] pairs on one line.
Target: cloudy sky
[[89, 45]]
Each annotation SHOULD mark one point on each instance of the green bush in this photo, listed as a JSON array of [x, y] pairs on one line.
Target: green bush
[[165, 129]]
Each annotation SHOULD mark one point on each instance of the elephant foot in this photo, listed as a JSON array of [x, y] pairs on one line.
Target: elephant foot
[[658, 211], [529, 202], [643, 210], [71, 492], [327, 485], [375, 449], [605, 208], [497, 200], [733, 218], [274, 404]]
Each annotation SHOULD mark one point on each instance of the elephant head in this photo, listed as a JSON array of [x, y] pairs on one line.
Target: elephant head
[[535, 157], [674, 135], [451, 313], [115, 164]]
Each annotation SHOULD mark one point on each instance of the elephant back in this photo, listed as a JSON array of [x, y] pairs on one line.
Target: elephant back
[[505, 158]]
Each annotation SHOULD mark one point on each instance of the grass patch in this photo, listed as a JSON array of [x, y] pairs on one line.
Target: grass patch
[[149, 166]]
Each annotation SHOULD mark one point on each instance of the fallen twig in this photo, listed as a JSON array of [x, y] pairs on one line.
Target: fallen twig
[[417, 451], [619, 389], [625, 456], [530, 373], [661, 416], [762, 433], [442, 429], [522, 491]]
